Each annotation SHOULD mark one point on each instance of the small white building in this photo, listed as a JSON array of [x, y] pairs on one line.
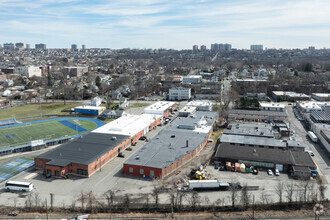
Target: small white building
[[28, 71], [96, 101], [192, 79], [201, 105], [179, 93], [266, 106]]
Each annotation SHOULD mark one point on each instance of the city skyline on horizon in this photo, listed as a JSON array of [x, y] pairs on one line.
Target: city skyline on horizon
[[158, 23]]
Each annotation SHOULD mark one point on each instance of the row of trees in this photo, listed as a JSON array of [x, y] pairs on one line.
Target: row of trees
[[291, 193]]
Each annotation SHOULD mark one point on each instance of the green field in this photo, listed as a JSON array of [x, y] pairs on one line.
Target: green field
[[24, 134], [33, 110]]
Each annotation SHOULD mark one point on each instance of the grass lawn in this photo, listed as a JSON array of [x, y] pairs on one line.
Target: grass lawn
[[137, 105], [23, 134], [33, 110]]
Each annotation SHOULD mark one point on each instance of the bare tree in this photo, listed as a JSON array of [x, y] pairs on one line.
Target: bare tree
[[305, 190], [245, 198], [289, 191], [29, 201], [82, 199], [322, 188], [194, 199], [264, 198], [91, 201], [172, 200], [127, 201], [279, 191], [313, 192], [36, 198], [155, 194], [109, 195], [233, 193]]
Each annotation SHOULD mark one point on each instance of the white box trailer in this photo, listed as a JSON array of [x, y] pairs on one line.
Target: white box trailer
[[203, 184], [312, 136]]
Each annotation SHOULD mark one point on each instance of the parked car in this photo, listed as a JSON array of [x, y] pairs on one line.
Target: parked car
[[121, 155], [143, 138], [277, 172], [270, 172], [255, 171], [216, 166], [14, 213], [129, 149]]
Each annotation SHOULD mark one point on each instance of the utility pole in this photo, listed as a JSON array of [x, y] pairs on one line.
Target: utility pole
[[46, 209], [40, 107], [253, 208]]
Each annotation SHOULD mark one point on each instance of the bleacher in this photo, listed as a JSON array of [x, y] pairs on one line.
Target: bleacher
[[8, 122]]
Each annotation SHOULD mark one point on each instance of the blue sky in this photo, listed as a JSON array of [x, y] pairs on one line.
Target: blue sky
[[177, 24]]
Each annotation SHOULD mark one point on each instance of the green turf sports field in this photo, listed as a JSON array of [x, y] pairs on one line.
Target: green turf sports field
[[48, 130]]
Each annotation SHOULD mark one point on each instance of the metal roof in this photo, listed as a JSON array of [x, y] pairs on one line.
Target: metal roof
[[261, 113], [321, 116], [269, 155], [257, 141], [262, 130], [83, 150]]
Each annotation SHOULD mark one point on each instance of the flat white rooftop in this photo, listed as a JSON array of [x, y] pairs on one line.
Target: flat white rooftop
[[272, 105], [128, 124], [158, 107], [200, 103]]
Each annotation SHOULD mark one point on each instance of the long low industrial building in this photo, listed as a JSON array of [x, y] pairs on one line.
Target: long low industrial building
[[251, 115], [284, 160], [174, 146], [86, 154], [82, 156]]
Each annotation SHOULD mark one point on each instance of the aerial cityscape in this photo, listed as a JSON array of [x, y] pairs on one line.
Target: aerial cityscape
[[134, 110]]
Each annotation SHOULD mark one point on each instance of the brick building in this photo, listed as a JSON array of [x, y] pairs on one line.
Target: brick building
[[174, 146], [82, 156]]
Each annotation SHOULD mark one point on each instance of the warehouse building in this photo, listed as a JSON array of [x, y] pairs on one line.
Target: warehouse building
[[201, 105], [134, 126], [160, 108], [250, 115], [283, 160], [82, 156], [289, 96], [174, 146], [321, 97]]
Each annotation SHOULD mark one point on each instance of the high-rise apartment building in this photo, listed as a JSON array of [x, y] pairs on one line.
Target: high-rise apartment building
[[9, 46], [203, 48], [20, 45], [220, 47], [74, 47], [257, 47], [40, 46], [195, 48], [83, 47]]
